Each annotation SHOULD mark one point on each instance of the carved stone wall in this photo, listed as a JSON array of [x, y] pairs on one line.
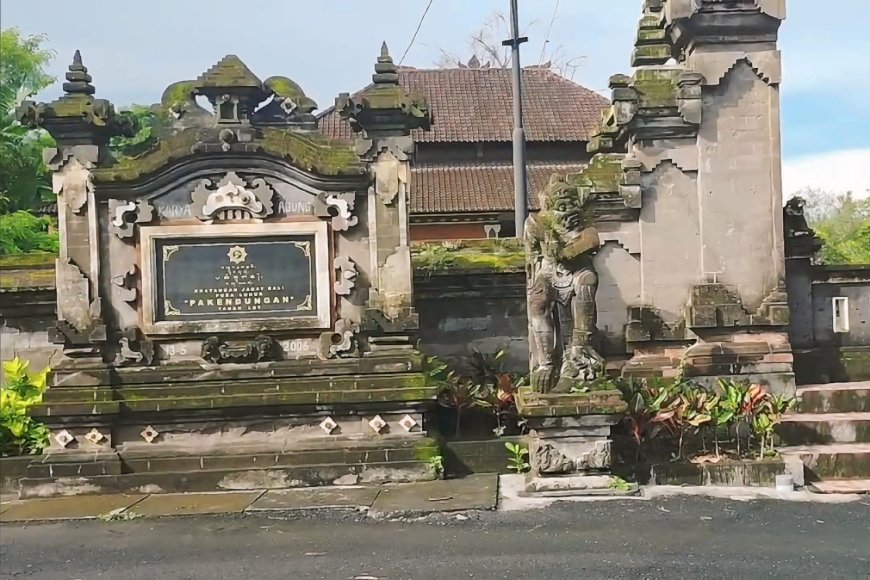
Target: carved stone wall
[[738, 145]]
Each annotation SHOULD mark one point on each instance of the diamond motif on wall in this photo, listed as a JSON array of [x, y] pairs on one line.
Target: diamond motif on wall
[[408, 422], [64, 438], [377, 424], [94, 436], [149, 434], [328, 425]]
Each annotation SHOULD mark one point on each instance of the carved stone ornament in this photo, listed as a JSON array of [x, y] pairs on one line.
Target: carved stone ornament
[[261, 348], [339, 207], [125, 285], [134, 350], [345, 275], [569, 455], [126, 214], [689, 97], [630, 184], [232, 199], [339, 342], [72, 183], [546, 459]]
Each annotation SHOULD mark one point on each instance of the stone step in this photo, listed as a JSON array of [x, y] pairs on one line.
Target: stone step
[[816, 428], [842, 486], [231, 479], [835, 398], [834, 460], [309, 457]]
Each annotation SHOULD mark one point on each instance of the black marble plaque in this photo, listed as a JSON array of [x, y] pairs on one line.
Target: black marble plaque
[[232, 278]]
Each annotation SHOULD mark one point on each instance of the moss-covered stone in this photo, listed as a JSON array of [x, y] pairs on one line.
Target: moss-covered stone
[[35, 259], [310, 152], [177, 94], [27, 279], [656, 87], [532, 404], [645, 36], [426, 450], [485, 256], [230, 71], [602, 174]]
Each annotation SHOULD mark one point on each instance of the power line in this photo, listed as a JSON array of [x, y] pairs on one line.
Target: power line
[[547, 37], [413, 38]]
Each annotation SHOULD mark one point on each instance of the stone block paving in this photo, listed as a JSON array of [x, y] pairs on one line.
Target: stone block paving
[[189, 504], [67, 508], [315, 498], [476, 492]]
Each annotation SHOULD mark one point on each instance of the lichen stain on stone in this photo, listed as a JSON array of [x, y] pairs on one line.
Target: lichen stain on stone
[[257, 479]]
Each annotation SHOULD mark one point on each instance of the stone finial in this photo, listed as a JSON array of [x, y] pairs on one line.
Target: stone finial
[[386, 71], [78, 79]]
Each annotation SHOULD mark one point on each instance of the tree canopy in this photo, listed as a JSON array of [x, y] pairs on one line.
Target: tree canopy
[[24, 178], [842, 221]]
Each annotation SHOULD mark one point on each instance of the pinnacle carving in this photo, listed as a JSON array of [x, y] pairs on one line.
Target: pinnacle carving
[[78, 79]]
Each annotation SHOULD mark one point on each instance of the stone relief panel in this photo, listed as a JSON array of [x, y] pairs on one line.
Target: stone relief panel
[[232, 198], [289, 199], [124, 215], [73, 183]]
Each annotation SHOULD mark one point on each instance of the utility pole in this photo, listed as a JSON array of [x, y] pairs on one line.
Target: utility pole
[[521, 197]]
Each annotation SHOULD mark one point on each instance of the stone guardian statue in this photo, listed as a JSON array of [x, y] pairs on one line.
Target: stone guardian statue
[[560, 242]]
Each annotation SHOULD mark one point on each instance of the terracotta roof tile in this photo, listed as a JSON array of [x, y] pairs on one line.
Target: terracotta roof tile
[[485, 187], [471, 105]]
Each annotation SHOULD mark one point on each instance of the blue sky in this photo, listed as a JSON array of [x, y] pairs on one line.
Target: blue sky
[[134, 50]]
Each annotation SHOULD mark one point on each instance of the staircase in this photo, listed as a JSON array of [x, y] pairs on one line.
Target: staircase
[[830, 435]]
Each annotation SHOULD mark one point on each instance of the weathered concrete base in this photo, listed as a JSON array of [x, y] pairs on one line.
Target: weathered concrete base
[[478, 492], [206, 427], [12, 470], [748, 473], [184, 470], [477, 456], [577, 485]]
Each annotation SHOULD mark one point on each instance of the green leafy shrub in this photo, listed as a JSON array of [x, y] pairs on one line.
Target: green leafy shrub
[[518, 456], [19, 433], [741, 413], [22, 232]]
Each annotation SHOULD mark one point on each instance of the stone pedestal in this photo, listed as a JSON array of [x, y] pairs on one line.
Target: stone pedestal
[[569, 441]]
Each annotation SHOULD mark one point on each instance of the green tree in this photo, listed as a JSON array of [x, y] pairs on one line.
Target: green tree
[[842, 221], [24, 177], [141, 122], [21, 232]]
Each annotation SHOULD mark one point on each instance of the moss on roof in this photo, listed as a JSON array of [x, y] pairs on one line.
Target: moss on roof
[[23, 272], [230, 71], [309, 151], [656, 87]]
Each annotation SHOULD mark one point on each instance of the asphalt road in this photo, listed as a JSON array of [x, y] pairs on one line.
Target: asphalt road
[[667, 538]]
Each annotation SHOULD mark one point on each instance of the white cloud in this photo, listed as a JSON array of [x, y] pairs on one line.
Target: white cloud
[[835, 172]]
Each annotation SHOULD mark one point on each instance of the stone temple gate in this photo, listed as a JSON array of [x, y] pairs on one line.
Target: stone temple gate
[[686, 187], [235, 305], [238, 295]]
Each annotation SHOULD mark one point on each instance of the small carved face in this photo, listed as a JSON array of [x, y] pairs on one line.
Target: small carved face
[[565, 205]]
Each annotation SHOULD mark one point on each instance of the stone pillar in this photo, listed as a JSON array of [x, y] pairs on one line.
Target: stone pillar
[[81, 126], [739, 309], [81, 441], [384, 118]]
